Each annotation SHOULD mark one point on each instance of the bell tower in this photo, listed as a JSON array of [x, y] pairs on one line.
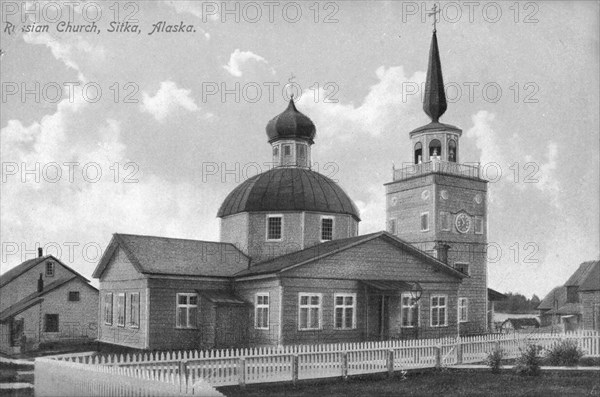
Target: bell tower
[[440, 205]]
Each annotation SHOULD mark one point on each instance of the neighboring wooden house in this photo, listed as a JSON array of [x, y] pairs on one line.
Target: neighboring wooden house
[[493, 297], [589, 296], [520, 324], [556, 298], [44, 300]]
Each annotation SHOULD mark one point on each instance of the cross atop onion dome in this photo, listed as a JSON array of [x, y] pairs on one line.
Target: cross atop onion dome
[[291, 124]]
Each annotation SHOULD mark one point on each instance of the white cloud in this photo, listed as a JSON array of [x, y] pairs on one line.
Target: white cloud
[[207, 11], [167, 99], [239, 58]]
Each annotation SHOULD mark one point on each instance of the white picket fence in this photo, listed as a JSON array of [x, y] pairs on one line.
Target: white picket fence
[[297, 362]]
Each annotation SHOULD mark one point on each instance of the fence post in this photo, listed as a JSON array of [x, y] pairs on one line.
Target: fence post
[[438, 356], [295, 369], [183, 376], [345, 365], [242, 372], [459, 352], [390, 362]]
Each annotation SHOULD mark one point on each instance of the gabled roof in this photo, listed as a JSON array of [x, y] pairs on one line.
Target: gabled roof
[[174, 256], [298, 258], [34, 298], [29, 264], [580, 274], [592, 281], [554, 299]]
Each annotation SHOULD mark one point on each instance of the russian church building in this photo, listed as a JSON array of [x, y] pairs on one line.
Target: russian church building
[[291, 267]]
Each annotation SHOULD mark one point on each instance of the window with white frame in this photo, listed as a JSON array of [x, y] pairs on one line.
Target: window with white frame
[[49, 269], [438, 311], [261, 311], [463, 310], [478, 221], [425, 221], [309, 311], [326, 228], [445, 222], [121, 310], [345, 311], [134, 309], [287, 150], [274, 227], [410, 311], [187, 310], [108, 308]]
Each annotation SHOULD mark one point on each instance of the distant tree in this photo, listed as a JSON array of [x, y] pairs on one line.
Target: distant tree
[[517, 304]]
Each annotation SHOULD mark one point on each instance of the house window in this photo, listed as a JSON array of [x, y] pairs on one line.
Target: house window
[[435, 149], [261, 311], [276, 151], [425, 221], [410, 311], [51, 323], [478, 225], [274, 227], [121, 310], [49, 269], [463, 310], [187, 310], [439, 314], [445, 221], [418, 153], [73, 296], [108, 308], [392, 226], [345, 311], [462, 267], [287, 150], [326, 229], [309, 315], [134, 309]]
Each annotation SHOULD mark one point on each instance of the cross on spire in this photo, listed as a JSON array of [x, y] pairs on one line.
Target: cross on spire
[[434, 13]]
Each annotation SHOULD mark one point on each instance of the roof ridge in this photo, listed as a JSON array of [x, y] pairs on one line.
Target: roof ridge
[[172, 238]]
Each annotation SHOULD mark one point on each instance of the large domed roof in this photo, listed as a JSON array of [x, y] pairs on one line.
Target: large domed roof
[[288, 189], [291, 124]]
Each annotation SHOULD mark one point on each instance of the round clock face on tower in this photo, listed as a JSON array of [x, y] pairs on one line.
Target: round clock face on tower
[[463, 223]]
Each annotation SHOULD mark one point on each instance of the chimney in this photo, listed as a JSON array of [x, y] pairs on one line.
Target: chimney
[[40, 252], [442, 252], [40, 287]]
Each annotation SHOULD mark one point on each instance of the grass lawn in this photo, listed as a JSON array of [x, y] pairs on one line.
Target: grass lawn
[[445, 383]]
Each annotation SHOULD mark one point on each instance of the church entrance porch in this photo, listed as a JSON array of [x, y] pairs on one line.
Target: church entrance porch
[[384, 309]]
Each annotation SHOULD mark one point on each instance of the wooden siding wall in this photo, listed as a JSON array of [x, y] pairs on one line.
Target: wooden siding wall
[[590, 302], [234, 229], [247, 291]]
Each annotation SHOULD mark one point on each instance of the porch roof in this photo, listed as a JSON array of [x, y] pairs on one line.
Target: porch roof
[[221, 297], [388, 285]]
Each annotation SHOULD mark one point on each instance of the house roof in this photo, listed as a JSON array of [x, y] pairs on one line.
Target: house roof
[[494, 295], [16, 271], [580, 274], [555, 298], [522, 322], [33, 299], [221, 297], [592, 281], [285, 262], [174, 256], [568, 308]]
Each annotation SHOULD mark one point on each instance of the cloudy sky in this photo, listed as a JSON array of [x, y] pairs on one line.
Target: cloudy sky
[[131, 132]]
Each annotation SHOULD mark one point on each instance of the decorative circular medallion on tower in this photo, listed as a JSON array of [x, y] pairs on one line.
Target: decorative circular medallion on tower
[[425, 194], [478, 198], [444, 194]]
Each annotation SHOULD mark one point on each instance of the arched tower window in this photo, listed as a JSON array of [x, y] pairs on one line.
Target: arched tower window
[[435, 149], [452, 150], [418, 153]]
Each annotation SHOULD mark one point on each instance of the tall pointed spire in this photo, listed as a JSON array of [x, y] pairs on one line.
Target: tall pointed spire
[[434, 102]]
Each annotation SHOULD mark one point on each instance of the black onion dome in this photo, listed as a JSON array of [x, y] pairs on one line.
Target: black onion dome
[[291, 124], [288, 189]]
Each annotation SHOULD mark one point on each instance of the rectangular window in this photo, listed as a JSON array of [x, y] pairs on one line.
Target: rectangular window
[[73, 296], [439, 314], [261, 311], [410, 311], [445, 220], [425, 221], [187, 310], [121, 310], [463, 310], [134, 310], [274, 227], [287, 150], [326, 229], [108, 308], [345, 311], [309, 313], [392, 226], [462, 267], [478, 225], [49, 269], [51, 323]]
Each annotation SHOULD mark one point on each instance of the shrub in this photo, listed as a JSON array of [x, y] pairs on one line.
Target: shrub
[[565, 353], [494, 359], [529, 361]]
